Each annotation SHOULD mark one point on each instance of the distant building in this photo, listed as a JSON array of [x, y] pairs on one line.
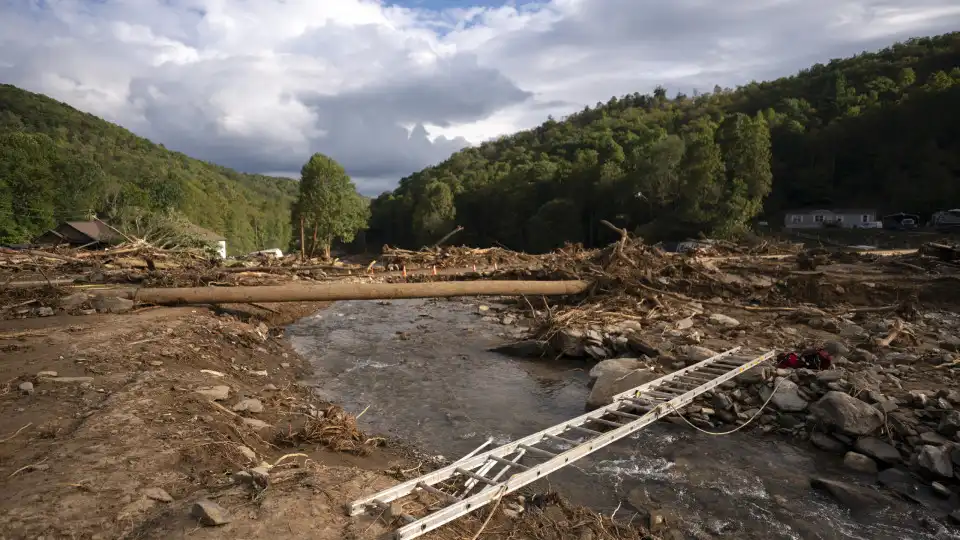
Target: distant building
[[213, 238], [901, 221], [849, 218], [91, 234], [946, 220]]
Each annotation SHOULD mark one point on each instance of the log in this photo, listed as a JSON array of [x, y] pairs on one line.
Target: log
[[329, 292]]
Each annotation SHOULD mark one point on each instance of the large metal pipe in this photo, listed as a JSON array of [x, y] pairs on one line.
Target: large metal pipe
[[346, 291]]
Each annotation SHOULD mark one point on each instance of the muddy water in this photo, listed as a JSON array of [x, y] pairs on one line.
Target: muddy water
[[424, 370]]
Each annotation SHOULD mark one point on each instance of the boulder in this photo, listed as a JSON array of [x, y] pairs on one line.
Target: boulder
[[949, 424], [111, 304], [569, 342], [612, 383], [691, 354], [845, 413], [878, 450], [787, 397], [860, 463], [936, 460], [826, 442], [860, 501], [620, 366], [528, 348]]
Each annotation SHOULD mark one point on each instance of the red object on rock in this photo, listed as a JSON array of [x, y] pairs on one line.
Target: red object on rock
[[817, 359]]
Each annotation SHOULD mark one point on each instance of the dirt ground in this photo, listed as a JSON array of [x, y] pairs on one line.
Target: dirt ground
[[111, 438]]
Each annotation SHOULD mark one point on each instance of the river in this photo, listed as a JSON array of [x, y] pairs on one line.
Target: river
[[424, 369]]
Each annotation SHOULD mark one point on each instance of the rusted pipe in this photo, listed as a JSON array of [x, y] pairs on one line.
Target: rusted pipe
[[345, 291]]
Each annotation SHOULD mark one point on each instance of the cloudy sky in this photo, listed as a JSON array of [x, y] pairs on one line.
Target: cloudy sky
[[387, 88]]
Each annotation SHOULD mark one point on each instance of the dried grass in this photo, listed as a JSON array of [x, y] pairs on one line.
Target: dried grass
[[336, 430]]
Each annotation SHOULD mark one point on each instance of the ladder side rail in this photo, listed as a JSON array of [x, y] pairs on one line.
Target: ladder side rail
[[517, 481], [404, 488]]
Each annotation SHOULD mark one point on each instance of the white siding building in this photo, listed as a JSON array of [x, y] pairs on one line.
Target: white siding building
[[850, 218]]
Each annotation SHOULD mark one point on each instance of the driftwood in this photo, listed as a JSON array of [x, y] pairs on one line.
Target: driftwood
[[330, 292]]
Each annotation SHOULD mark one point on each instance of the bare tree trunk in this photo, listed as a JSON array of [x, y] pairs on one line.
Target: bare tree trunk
[[313, 243], [303, 242], [326, 248]]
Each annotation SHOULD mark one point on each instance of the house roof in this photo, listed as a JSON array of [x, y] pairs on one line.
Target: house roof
[[96, 230], [834, 210], [205, 234]]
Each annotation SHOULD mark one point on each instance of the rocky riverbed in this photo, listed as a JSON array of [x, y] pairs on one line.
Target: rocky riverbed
[[849, 452]]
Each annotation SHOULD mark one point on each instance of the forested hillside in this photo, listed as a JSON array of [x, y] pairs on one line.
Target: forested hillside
[[59, 163], [878, 129]]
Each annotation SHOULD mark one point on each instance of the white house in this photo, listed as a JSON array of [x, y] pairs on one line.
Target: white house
[[850, 218], [214, 239]]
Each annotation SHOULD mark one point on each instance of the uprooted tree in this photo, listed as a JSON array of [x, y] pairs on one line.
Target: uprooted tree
[[328, 206]]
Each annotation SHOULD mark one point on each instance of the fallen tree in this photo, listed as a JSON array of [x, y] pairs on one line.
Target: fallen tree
[[329, 292]]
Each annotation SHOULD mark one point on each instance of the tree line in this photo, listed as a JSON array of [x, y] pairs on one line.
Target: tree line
[[58, 163], [877, 129]]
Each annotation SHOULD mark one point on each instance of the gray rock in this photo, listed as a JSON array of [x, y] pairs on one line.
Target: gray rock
[[528, 348], [691, 354], [569, 342], [826, 442], [878, 450], [836, 348], [829, 376], [216, 393], [860, 501], [860, 462], [247, 453], [44, 311], [949, 424], [251, 405], [722, 402], [941, 490], [74, 300], [158, 494], [26, 387], [614, 365], [597, 352], [111, 304], [724, 320], [936, 460], [787, 397], [209, 513], [847, 414], [933, 438], [256, 424], [862, 355], [898, 481], [612, 383], [508, 320]]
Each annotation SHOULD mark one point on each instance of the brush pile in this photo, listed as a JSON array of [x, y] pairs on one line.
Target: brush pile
[[456, 257], [332, 428]]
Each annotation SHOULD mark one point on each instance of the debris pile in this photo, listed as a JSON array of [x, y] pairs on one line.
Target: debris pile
[[456, 257]]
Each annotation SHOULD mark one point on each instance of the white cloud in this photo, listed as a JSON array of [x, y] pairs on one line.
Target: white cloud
[[387, 90]]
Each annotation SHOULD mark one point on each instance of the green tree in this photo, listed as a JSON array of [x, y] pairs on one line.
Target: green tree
[[328, 206], [434, 213]]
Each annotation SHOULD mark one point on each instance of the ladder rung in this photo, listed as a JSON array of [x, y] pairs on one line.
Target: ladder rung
[[607, 422], [669, 390], [731, 363], [715, 371], [624, 414], [661, 395], [693, 380], [560, 439], [476, 476], [640, 404], [534, 450], [584, 430], [442, 494], [509, 463]]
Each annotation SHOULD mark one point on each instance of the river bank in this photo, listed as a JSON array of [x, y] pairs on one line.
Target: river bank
[[118, 425]]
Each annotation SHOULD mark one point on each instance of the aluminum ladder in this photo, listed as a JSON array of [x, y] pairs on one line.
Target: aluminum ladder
[[653, 400]]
